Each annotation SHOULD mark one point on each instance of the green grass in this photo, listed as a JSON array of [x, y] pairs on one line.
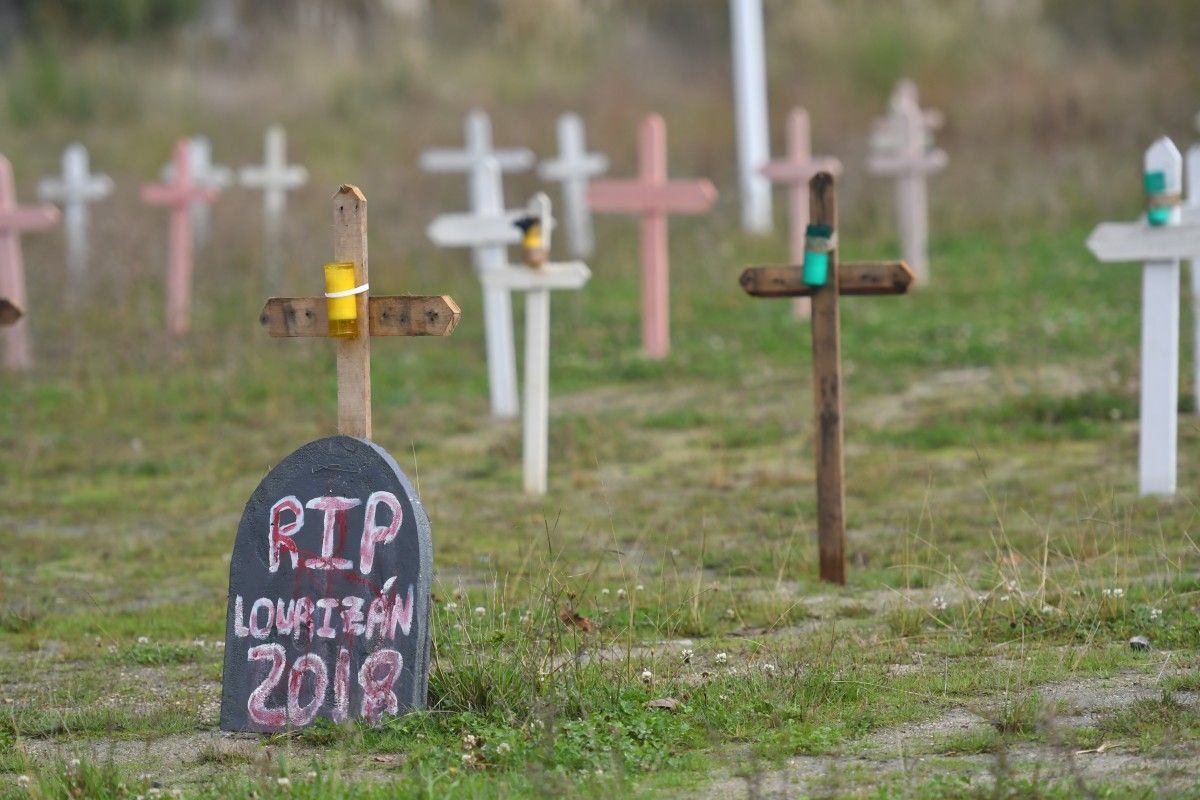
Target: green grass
[[997, 545]]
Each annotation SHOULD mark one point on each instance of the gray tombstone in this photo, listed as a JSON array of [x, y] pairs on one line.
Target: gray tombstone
[[328, 593]]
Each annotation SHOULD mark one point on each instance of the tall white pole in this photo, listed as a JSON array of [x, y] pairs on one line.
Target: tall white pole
[[1160, 338], [750, 105], [537, 389]]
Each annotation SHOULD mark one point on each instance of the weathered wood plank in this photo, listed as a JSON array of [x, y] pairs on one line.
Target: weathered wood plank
[[393, 315], [860, 278], [827, 391], [353, 355], [10, 312]]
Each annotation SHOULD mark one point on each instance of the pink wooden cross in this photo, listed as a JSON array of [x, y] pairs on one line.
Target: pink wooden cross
[[653, 197], [795, 170], [13, 220], [178, 196]]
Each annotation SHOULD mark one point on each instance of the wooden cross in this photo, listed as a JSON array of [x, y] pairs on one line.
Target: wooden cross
[[206, 175], [179, 196], [483, 165], [795, 170], [74, 190], [652, 197], [376, 316], [871, 278], [537, 283], [748, 54], [1159, 241], [574, 168], [275, 177], [904, 154], [15, 219]]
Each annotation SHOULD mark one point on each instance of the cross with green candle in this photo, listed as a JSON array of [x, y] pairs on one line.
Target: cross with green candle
[[823, 279]]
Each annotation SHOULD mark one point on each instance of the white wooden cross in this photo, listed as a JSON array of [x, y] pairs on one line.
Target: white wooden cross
[[487, 200], [750, 107], [276, 178], [205, 175], [1159, 241], [1191, 215], [537, 283], [74, 190], [795, 170], [573, 168], [15, 219], [904, 154]]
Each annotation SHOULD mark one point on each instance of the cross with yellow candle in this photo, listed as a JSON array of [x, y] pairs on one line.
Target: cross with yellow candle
[[351, 316]]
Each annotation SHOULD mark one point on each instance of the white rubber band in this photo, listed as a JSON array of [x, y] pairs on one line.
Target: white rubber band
[[348, 292]]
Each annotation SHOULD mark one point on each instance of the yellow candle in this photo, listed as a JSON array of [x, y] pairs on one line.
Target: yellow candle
[[342, 311]]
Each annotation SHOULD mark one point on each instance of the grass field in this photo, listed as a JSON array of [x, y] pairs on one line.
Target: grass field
[[1000, 558]]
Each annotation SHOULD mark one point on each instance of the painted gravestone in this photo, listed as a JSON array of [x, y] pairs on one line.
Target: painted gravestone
[[328, 593]]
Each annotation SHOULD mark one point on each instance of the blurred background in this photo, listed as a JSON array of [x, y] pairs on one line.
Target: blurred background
[[1049, 104]]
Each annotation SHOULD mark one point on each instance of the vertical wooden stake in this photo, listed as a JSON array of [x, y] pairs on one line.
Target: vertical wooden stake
[[827, 391], [353, 355], [537, 389], [656, 278]]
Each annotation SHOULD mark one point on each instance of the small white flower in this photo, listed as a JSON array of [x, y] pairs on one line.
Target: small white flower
[[504, 748], [1012, 585], [283, 782], [981, 598], [686, 655], [468, 758], [311, 775], [939, 603], [22, 780], [143, 640], [470, 741], [458, 626], [525, 618], [639, 587], [451, 605], [1003, 598], [769, 669], [730, 613], [198, 643], [73, 763], [1155, 613], [721, 658], [647, 676], [480, 611], [604, 592], [620, 594], [1117, 593], [1049, 609]]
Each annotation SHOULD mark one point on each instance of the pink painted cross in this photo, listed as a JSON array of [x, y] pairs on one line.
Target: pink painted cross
[[178, 196], [794, 171], [653, 196], [13, 220]]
